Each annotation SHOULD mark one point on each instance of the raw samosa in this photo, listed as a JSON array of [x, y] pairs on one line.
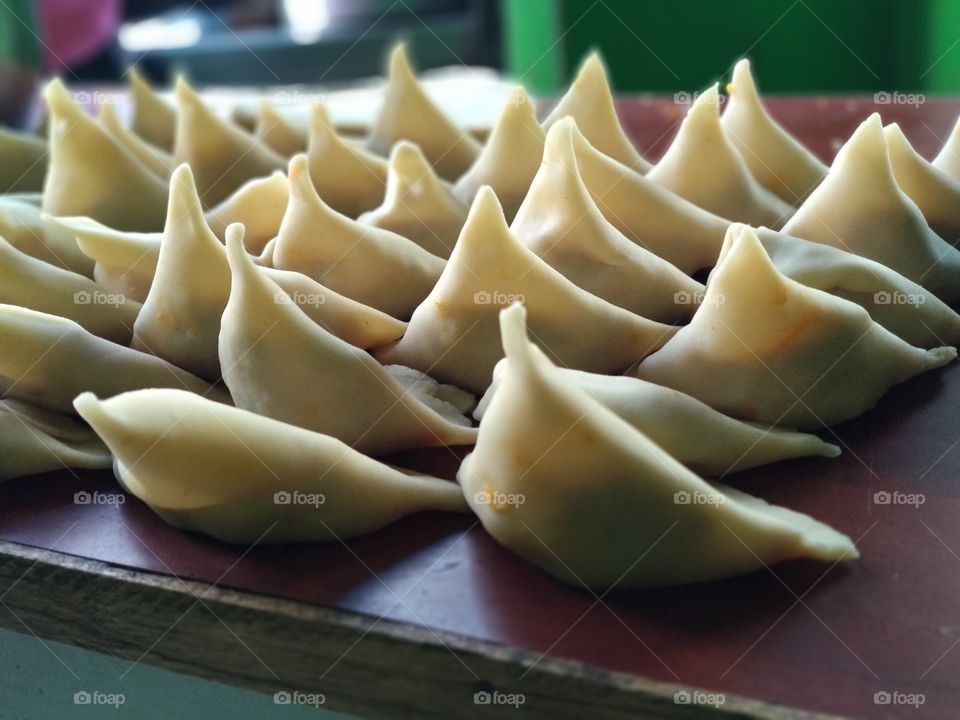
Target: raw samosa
[[765, 348], [158, 161], [509, 159], [375, 267], [49, 360], [408, 113], [703, 439], [34, 284], [243, 478], [154, 119], [24, 226], [703, 166], [91, 174], [274, 131], [347, 177], [279, 363], [259, 204], [589, 102], [222, 156], [561, 224], [934, 192], [776, 159], [564, 482], [655, 218], [861, 209], [418, 205], [453, 333]]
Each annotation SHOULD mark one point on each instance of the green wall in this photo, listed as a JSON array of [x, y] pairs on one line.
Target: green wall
[[796, 45]]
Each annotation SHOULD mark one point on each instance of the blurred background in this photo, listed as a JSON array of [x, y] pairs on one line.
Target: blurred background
[[650, 45]]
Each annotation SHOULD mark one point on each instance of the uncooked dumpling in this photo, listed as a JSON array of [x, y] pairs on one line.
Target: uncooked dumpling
[[935, 193], [765, 348], [510, 157], [948, 159], [564, 482], [49, 360], [158, 161], [125, 261], [655, 218], [154, 119], [703, 439], [561, 224], [904, 308], [453, 335], [91, 174], [247, 479], [221, 155], [589, 101], [861, 209], [418, 205], [36, 440], [24, 162], [278, 363], [776, 159], [408, 113], [274, 131], [24, 226], [703, 166], [375, 267], [347, 177], [180, 318], [259, 204], [34, 284]]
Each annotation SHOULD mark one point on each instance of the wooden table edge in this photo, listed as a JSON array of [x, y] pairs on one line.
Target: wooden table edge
[[373, 666]]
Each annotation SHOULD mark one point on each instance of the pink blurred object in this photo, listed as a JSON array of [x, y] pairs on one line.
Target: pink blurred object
[[75, 30]]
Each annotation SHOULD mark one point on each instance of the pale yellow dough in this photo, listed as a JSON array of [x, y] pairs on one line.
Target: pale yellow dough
[[418, 204], [279, 363], [453, 334], [259, 205], [243, 478], [776, 159], [408, 113], [24, 226], [36, 440], [860, 208], [274, 131], [158, 161], [559, 222], [765, 348], [49, 360], [24, 162], [703, 166], [91, 174], [509, 159], [564, 482], [154, 119], [222, 155], [589, 101], [373, 266]]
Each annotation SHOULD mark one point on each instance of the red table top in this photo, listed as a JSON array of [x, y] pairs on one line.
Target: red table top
[[803, 634]]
